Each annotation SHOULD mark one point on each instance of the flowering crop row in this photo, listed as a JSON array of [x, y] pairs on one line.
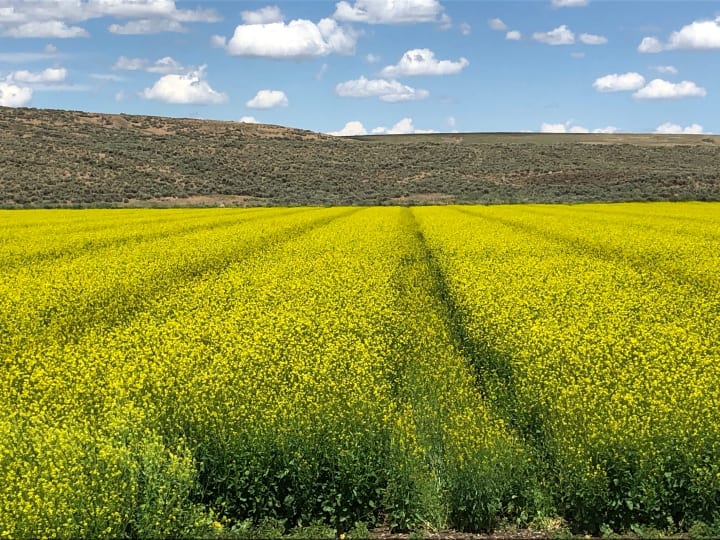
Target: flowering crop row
[[291, 365], [175, 372], [595, 329]]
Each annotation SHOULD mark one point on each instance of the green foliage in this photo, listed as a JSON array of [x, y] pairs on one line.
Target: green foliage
[[315, 531], [269, 528], [359, 531], [701, 529]]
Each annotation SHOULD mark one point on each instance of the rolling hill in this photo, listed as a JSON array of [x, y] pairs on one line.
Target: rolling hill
[[52, 158]]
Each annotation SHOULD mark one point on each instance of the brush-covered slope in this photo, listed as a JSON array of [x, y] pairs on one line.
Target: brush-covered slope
[[61, 158]]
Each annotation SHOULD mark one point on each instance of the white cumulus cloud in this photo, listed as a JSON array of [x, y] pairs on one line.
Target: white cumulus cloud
[[266, 15], [650, 45], [404, 126], [297, 39], [14, 96], [351, 128], [562, 128], [619, 82], [143, 9], [131, 64], [189, 88], [386, 90], [423, 62], [697, 35], [219, 42], [569, 3], [513, 35], [390, 11], [553, 128], [50, 75], [165, 65], [669, 128], [248, 120], [607, 129], [146, 26], [593, 39], [662, 89], [570, 127], [58, 18], [445, 22], [497, 24], [268, 99], [44, 29], [672, 70], [561, 35]]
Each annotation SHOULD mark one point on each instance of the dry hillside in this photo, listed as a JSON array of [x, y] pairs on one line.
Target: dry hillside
[[62, 158]]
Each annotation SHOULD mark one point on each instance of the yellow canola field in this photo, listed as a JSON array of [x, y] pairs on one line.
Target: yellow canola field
[[289, 364], [177, 372], [596, 333]]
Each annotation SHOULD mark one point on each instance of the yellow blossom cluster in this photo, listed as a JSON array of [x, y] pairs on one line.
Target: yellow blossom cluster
[[595, 331], [165, 367], [180, 372]]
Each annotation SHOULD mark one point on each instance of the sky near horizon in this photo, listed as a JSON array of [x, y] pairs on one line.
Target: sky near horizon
[[373, 66]]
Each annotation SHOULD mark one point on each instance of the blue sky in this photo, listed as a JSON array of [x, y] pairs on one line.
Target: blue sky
[[373, 66]]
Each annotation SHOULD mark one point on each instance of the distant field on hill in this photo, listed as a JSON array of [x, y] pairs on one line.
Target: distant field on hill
[[62, 158]]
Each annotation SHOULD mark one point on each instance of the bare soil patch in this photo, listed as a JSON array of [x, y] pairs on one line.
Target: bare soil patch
[[197, 200]]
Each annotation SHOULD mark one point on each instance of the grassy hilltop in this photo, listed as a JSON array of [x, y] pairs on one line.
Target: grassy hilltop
[[62, 158]]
